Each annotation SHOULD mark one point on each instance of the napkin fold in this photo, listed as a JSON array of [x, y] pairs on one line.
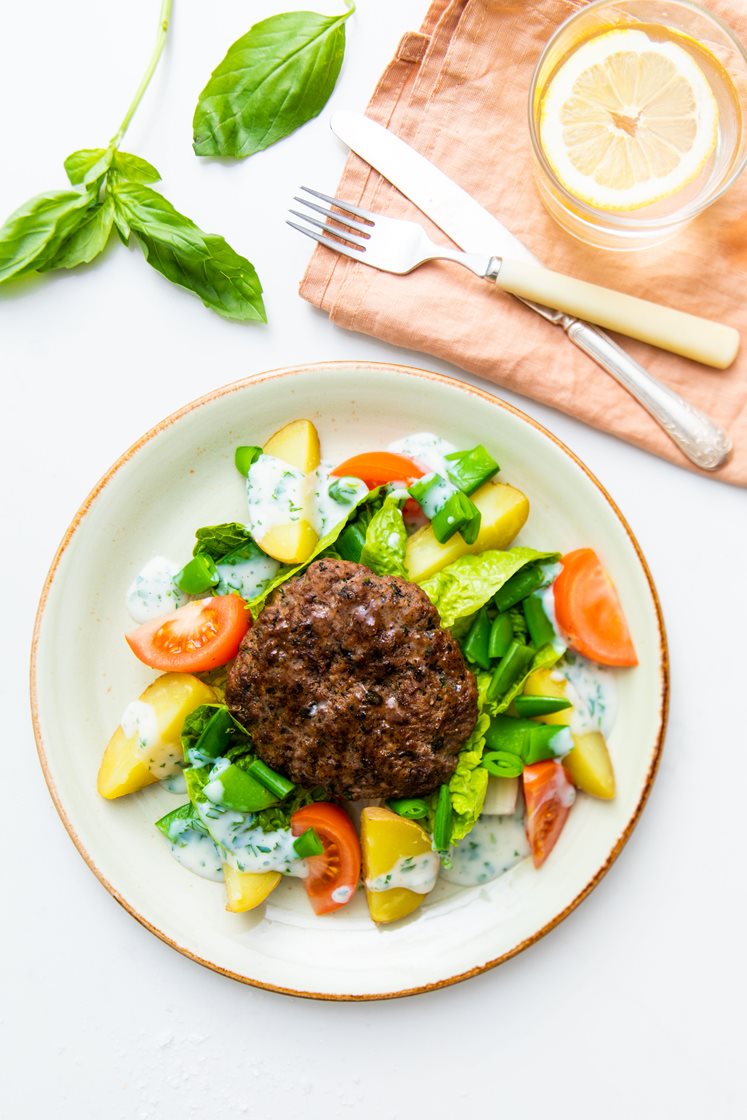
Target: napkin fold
[[457, 91]]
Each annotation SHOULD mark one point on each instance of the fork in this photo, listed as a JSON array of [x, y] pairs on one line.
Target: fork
[[398, 246]]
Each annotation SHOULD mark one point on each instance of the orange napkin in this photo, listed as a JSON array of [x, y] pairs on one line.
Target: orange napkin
[[457, 91]]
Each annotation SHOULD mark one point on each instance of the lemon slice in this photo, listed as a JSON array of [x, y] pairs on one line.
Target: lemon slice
[[627, 121]]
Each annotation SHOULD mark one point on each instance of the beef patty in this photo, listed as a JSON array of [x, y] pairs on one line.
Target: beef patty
[[347, 681]]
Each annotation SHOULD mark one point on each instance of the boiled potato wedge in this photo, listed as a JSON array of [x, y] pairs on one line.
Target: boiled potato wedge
[[588, 764], [504, 511], [387, 838], [291, 543], [245, 890], [129, 764], [297, 443]]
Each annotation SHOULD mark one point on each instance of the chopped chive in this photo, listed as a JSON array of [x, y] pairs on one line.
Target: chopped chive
[[412, 808], [502, 764]]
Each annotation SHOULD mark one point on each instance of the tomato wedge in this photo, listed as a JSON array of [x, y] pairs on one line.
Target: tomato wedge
[[198, 636], [589, 612], [333, 876], [548, 795], [377, 467]]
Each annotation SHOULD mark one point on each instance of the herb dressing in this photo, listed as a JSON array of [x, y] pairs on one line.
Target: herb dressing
[[249, 577], [140, 720], [438, 493], [591, 690], [426, 449], [245, 846], [275, 494], [153, 592], [415, 873], [191, 846], [327, 512], [494, 846], [176, 782]]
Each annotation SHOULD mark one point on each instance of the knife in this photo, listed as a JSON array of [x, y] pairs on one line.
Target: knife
[[474, 229]]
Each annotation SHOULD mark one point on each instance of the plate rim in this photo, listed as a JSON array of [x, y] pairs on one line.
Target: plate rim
[[321, 368]]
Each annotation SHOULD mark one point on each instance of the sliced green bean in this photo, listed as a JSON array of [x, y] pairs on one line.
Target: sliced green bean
[[199, 575], [270, 779], [476, 644], [215, 738], [457, 514], [502, 764], [443, 820], [244, 457], [509, 669], [521, 584], [501, 635], [308, 844], [471, 469], [412, 808], [529, 706], [541, 630]]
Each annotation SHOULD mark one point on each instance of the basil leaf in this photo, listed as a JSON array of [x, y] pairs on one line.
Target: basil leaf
[[272, 80], [203, 263], [134, 168], [88, 162], [88, 240], [34, 233]]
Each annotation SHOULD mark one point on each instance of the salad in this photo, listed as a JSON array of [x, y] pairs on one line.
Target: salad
[[364, 685]]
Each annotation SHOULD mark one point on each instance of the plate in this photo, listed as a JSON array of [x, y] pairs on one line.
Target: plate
[[180, 476]]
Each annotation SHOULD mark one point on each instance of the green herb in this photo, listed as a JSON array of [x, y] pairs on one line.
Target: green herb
[[272, 80], [343, 490], [67, 228]]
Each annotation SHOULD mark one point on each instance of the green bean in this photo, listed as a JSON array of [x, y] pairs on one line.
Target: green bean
[[457, 514], [199, 575], [501, 635], [443, 819], [532, 741], [215, 738], [308, 844], [529, 706], [475, 647], [270, 779], [242, 792], [509, 669], [541, 630], [521, 584], [412, 808], [502, 764], [244, 457], [471, 469]]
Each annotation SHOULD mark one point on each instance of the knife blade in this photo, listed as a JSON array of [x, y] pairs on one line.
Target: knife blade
[[475, 229]]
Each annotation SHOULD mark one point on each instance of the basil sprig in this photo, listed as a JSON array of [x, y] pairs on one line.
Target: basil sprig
[[272, 80], [109, 189]]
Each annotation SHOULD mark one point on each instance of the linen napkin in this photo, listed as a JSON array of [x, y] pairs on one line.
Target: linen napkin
[[457, 91]]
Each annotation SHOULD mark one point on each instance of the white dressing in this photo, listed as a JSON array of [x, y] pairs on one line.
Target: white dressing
[[175, 783], [275, 494], [591, 690], [153, 592], [426, 449], [415, 873], [245, 846], [325, 512], [139, 720], [195, 850], [248, 577], [494, 846], [438, 493]]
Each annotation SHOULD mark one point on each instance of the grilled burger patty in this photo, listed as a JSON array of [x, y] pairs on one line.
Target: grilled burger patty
[[348, 681]]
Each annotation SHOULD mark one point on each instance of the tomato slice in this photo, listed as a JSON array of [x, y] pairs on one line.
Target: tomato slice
[[377, 467], [548, 795], [198, 636], [589, 612], [333, 876]]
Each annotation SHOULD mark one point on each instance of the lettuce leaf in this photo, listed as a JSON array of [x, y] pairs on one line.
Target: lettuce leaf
[[219, 541], [324, 544], [467, 584], [386, 541], [469, 782]]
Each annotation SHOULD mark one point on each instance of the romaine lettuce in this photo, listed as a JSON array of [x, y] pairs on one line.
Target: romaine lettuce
[[465, 585], [386, 541]]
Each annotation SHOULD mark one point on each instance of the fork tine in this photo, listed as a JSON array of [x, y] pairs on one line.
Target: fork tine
[[341, 233], [338, 246], [343, 219], [359, 211]]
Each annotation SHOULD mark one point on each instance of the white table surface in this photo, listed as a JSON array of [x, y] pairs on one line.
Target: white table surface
[[634, 1005]]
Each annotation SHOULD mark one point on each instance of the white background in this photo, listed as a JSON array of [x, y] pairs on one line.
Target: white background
[[632, 1007]]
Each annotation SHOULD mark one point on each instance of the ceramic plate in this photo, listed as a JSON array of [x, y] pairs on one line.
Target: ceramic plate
[[180, 476]]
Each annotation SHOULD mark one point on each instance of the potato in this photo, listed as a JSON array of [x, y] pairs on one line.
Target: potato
[[385, 839], [245, 890], [127, 766], [589, 765], [291, 543], [542, 683], [504, 510], [297, 443]]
